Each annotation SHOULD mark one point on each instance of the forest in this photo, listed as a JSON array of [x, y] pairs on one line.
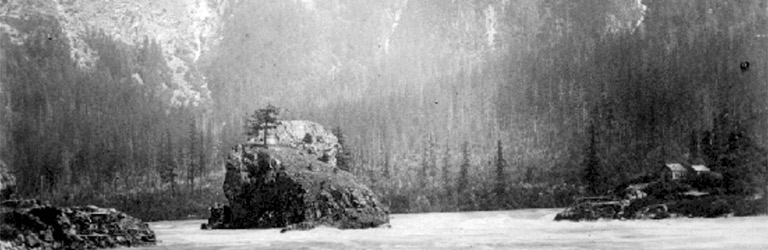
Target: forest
[[441, 106], [103, 136]]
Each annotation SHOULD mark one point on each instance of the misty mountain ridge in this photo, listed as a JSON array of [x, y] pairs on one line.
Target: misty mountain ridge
[[188, 29]]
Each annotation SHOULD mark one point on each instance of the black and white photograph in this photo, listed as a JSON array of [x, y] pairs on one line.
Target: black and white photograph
[[383, 124]]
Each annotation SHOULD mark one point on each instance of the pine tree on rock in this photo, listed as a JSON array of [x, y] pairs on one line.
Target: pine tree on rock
[[261, 121]]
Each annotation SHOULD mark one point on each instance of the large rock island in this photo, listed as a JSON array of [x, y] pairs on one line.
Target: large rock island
[[293, 182]]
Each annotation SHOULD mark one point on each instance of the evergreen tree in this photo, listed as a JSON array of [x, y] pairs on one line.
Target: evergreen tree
[[428, 168], [501, 178], [202, 159], [694, 148], [446, 171], [593, 172], [387, 163], [181, 160], [192, 154], [261, 121], [167, 168], [422, 173], [343, 156], [462, 187], [742, 163], [446, 174]]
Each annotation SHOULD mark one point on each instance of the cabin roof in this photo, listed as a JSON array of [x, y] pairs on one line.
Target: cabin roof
[[695, 193], [675, 167], [639, 186], [700, 168]]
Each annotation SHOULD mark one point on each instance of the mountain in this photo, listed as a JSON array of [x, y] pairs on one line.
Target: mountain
[[184, 29]]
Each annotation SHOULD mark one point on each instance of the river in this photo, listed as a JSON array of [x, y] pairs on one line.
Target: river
[[517, 229]]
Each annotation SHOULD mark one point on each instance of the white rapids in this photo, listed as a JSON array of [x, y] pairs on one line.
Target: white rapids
[[518, 229]]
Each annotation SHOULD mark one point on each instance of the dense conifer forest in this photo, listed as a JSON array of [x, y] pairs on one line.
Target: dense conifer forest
[[440, 105]]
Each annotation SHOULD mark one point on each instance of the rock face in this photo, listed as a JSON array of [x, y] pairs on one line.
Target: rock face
[[28, 224], [284, 186], [308, 137]]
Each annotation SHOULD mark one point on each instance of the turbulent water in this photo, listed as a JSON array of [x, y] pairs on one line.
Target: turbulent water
[[519, 229]]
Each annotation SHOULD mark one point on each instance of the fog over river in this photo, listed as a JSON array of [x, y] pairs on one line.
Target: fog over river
[[518, 229]]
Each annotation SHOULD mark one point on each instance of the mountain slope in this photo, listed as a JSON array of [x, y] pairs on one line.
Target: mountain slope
[[184, 29]]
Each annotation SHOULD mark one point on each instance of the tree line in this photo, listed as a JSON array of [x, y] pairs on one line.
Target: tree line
[[107, 135]]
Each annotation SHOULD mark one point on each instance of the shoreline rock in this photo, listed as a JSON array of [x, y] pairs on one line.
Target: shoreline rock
[[29, 224], [653, 200]]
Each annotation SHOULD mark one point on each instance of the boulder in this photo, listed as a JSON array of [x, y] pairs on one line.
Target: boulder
[[592, 208], [308, 137], [29, 224], [286, 187]]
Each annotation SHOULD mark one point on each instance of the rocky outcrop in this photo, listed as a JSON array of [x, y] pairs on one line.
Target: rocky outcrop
[[653, 200], [28, 224], [283, 186], [308, 137]]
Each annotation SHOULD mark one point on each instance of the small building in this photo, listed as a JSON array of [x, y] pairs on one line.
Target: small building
[[700, 169], [672, 171], [677, 171]]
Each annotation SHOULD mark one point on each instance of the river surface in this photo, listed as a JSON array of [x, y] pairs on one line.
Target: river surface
[[517, 229]]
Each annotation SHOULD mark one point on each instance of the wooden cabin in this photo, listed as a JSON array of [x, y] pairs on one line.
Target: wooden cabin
[[677, 171], [673, 171]]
